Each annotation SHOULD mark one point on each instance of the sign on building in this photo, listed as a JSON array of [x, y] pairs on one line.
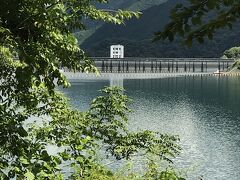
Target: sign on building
[[117, 51]]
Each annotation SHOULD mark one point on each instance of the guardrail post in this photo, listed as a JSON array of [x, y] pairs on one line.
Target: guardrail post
[[139, 66], [206, 67], [168, 67], [176, 66], [151, 66], [160, 66], [155, 66], [185, 67], [172, 65], [135, 65], [143, 66], [106, 66], [202, 67], [111, 66], [119, 66], [193, 67], [103, 66], [219, 65], [127, 67]]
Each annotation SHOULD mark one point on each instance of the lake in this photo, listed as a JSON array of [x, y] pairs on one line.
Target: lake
[[204, 111]]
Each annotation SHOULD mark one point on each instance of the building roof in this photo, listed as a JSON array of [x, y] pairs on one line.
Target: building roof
[[116, 45]]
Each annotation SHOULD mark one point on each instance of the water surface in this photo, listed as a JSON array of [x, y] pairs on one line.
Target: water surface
[[203, 111]]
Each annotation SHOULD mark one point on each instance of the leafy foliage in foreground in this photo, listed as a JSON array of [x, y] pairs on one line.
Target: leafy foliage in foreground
[[190, 23], [35, 42]]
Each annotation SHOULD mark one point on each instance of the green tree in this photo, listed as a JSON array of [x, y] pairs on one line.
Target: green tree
[[233, 52], [188, 20], [35, 42]]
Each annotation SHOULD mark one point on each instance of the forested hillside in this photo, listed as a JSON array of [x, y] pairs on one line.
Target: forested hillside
[[134, 5], [137, 36]]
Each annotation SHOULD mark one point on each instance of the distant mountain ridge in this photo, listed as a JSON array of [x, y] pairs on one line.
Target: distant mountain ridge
[[137, 35], [133, 5]]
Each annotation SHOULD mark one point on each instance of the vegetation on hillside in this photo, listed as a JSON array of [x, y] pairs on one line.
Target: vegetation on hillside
[[137, 37], [133, 5], [235, 67], [234, 53]]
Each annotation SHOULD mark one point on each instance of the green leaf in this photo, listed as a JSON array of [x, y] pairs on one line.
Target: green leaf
[[24, 160], [210, 35], [200, 40], [29, 175], [170, 36]]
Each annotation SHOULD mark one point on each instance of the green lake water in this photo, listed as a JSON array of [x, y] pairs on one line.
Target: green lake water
[[203, 111]]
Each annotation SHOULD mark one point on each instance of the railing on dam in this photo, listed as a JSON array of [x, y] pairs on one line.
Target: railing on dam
[[161, 65]]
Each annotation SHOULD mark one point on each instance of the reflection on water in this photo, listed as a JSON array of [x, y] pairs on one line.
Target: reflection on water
[[203, 111]]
